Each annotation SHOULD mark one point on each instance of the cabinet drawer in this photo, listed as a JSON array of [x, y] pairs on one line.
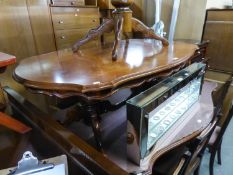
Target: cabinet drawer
[[74, 18], [66, 38], [68, 2], [225, 15]]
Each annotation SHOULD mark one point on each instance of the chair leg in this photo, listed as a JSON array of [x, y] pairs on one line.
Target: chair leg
[[196, 172], [219, 153], [211, 163]]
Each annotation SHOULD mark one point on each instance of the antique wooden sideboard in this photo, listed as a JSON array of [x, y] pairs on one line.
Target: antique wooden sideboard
[[218, 29], [72, 19]]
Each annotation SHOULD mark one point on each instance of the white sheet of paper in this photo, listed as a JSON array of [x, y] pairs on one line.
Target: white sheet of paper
[[61, 167], [57, 170]]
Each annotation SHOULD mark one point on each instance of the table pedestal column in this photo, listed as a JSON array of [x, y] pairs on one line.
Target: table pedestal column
[[95, 124]]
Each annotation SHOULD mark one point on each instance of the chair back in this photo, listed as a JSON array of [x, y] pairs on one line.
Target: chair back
[[198, 147], [218, 96], [171, 159], [224, 125]]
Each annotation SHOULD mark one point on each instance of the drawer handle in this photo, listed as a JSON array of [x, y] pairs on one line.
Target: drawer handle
[[63, 37], [94, 20], [61, 22], [72, 3]]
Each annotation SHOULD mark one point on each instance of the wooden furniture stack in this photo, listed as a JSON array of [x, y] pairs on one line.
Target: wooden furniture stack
[[72, 20], [218, 29]]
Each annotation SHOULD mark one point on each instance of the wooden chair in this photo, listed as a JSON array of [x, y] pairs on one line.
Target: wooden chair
[[219, 94], [185, 158], [197, 149], [174, 158], [191, 155], [218, 97], [215, 142]]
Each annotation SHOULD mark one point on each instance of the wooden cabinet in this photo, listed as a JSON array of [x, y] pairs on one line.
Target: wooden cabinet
[[65, 38], [72, 23], [71, 17], [218, 29], [74, 2]]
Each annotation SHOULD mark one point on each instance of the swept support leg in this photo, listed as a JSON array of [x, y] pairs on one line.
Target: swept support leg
[[138, 26], [106, 27]]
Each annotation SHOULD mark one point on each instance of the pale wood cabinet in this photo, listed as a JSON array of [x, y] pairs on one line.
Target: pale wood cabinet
[[74, 2], [72, 22]]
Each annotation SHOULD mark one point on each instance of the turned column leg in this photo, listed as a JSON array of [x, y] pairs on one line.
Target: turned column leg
[[95, 126], [117, 29]]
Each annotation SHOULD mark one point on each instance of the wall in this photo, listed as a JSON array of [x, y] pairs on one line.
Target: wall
[[190, 19], [149, 13], [218, 3]]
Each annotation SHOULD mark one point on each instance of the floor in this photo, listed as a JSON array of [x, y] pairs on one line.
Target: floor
[[227, 156]]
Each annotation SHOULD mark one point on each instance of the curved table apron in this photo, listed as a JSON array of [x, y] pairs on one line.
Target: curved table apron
[[92, 75]]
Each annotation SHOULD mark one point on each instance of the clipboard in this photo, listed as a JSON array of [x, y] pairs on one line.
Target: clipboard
[[31, 165]]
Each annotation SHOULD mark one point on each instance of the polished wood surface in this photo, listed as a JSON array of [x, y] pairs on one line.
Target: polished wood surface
[[6, 59], [91, 74], [13, 124], [218, 29], [91, 71]]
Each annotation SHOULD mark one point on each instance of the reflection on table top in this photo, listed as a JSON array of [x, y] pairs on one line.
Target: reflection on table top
[[92, 69]]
